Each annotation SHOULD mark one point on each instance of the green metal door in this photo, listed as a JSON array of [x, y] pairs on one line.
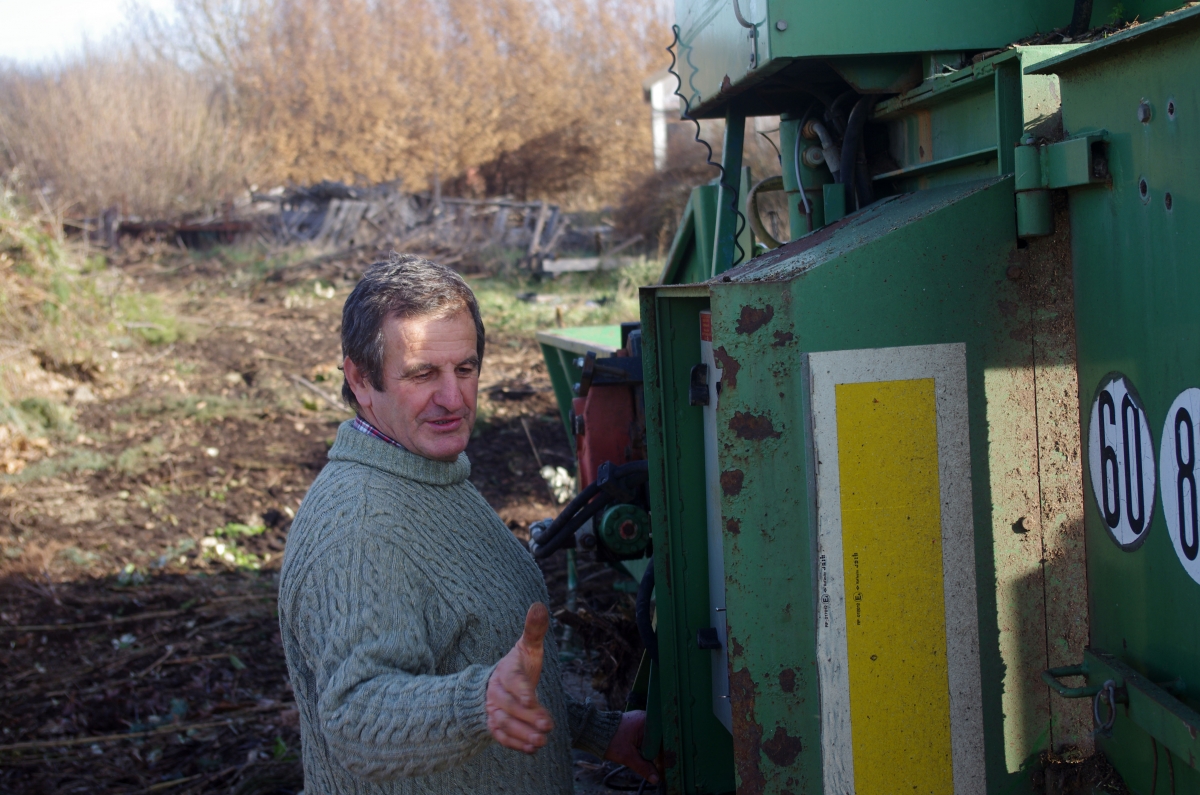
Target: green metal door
[[1136, 240]]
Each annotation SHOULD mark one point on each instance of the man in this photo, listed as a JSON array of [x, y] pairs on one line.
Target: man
[[414, 623]]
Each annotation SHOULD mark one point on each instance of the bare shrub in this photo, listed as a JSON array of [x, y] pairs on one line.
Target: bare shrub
[[539, 97], [121, 128], [378, 91]]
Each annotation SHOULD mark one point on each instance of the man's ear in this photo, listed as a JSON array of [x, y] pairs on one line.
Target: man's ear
[[359, 385]]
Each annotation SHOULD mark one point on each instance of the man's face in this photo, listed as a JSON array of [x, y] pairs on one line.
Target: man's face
[[430, 384]]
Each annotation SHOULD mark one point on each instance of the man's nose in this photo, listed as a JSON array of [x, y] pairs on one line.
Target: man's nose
[[449, 393]]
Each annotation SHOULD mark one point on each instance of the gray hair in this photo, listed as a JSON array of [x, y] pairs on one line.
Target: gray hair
[[402, 286]]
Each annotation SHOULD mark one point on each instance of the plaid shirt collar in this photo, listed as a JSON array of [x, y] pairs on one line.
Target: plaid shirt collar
[[362, 426]]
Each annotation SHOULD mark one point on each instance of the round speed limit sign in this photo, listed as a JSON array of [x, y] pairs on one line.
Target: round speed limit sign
[[1121, 461], [1177, 463]]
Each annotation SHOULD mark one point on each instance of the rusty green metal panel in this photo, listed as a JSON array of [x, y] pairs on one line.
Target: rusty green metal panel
[[933, 267], [697, 748], [845, 291], [1137, 286]]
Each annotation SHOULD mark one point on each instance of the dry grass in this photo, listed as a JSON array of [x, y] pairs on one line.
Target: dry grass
[[122, 129], [516, 96]]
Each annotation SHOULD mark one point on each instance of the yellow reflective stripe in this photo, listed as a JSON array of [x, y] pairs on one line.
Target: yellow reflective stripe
[[895, 603]]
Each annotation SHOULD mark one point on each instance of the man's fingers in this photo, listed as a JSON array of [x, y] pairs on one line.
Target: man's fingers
[[514, 734], [535, 715], [508, 741]]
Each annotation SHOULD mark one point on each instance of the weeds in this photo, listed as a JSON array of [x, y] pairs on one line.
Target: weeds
[[221, 545], [147, 317], [72, 460], [139, 458], [522, 305]]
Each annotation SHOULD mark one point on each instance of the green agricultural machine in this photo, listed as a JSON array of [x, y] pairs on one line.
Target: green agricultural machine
[[920, 484]]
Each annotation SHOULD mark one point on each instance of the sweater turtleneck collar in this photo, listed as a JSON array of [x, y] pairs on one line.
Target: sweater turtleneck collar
[[354, 445]]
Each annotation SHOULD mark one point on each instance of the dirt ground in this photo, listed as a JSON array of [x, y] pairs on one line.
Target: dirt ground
[[139, 644]]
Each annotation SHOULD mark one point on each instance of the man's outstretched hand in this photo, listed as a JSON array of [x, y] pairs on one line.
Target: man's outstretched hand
[[515, 718], [625, 748]]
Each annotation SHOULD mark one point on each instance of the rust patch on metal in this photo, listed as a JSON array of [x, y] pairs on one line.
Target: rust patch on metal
[[782, 338], [787, 680], [782, 748], [754, 427], [752, 319], [747, 734], [1007, 308], [729, 367], [733, 526], [670, 759], [731, 482]]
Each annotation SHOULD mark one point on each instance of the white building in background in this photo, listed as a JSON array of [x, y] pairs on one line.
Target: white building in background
[[659, 90]]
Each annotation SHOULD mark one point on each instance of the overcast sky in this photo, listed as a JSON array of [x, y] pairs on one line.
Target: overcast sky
[[32, 31]]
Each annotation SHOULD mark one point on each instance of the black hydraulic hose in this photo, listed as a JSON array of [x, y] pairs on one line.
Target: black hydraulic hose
[[641, 465], [851, 141], [573, 507], [584, 507], [837, 110], [862, 179], [564, 534], [641, 612]]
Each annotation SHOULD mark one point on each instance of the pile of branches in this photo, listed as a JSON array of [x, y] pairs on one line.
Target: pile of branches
[[176, 685], [342, 220]]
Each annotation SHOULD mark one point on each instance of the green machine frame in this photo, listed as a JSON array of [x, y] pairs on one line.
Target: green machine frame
[[1133, 99], [893, 482], [947, 253], [938, 262]]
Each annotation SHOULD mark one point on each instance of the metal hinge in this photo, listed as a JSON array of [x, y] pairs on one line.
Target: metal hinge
[[698, 386], [707, 639], [1082, 160]]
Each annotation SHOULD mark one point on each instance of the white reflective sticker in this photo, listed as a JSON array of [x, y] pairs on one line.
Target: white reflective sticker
[[1121, 461], [1177, 463]]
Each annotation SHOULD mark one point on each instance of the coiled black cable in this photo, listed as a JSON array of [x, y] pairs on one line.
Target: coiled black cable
[[687, 114]]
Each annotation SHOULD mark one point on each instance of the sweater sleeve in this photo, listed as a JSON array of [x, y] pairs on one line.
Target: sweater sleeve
[[381, 707], [591, 729]]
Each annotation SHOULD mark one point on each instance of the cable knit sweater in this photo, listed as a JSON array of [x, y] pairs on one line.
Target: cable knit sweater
[[401, 589]]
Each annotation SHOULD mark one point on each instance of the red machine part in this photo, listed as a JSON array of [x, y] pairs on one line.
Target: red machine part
[[603, 422]]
